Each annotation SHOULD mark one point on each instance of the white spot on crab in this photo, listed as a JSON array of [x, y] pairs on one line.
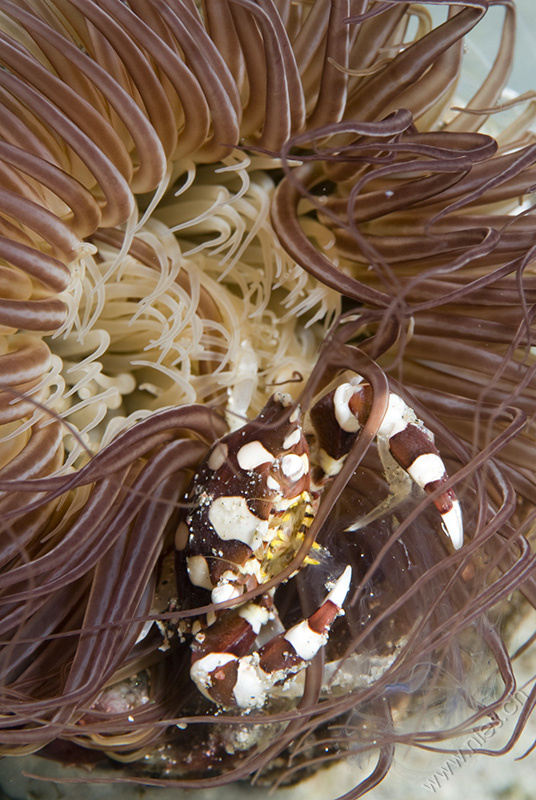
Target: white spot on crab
[[252, 454], [344, 416], [427, 468], [304, 640], [223, 592], [272, 484], [397, 417], [292, 439], [256, 615], [202, 669], [293, 466], [330, 466], [252, 567], [231, 519], [252, 684], [198, 571], [218, 456], [284, 503]]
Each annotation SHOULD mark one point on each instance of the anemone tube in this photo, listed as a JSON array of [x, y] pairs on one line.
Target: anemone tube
[[201, 202]]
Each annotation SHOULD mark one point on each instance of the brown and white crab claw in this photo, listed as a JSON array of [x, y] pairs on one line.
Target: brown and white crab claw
[[246, 681], [412, 446], [339, 416]]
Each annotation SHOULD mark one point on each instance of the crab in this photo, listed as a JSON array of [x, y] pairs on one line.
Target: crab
[[245, 517]]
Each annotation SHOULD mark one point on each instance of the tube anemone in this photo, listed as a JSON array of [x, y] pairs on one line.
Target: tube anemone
[[201, 202]]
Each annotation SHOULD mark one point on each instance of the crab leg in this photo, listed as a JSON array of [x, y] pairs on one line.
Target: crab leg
[[412, 446], [231, 678], [338, 418]]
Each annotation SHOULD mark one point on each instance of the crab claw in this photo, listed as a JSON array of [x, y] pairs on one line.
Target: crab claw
[[245, 681], [452, 522], [338, 418], [412, 446]]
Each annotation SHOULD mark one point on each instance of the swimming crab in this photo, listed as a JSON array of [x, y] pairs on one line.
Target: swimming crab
[[245, 516]]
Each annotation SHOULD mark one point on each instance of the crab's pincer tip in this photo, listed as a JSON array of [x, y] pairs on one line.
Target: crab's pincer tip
[[453, 524], [338, 594]]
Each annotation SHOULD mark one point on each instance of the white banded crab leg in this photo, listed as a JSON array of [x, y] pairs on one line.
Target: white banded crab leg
[[338, 417], [233, 677]]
